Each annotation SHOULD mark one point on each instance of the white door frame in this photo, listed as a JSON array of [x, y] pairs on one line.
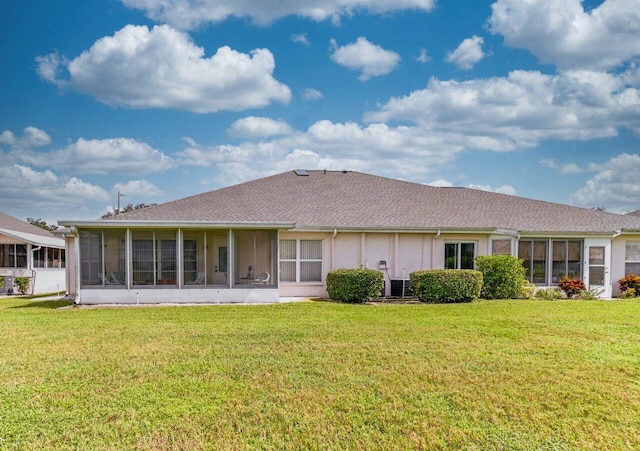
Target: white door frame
[[594, 243]]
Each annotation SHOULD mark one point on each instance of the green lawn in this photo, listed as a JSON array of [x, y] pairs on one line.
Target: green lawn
[[316, 375]]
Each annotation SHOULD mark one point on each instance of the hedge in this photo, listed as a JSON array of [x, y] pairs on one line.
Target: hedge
[[503, 276], [354, 285], [446, 285]]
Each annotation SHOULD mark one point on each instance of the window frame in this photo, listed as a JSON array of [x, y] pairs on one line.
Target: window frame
[[298, 260], [627, 260], [458, 256]]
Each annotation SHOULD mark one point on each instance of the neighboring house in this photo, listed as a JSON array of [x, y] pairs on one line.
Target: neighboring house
[[279, 236], [30, 251]]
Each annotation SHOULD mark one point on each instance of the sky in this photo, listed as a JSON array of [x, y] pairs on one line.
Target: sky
[[163, 99]]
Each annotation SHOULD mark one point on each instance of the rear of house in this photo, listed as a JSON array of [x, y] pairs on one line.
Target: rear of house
[[31, 252], [279, 236]]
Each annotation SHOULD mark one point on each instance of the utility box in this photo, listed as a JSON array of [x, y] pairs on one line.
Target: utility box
[[401, 288], [7, 288]]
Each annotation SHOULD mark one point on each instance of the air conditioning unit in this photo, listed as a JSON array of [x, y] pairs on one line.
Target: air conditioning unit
[[7, 288]]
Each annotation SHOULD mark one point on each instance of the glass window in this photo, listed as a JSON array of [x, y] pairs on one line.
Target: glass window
[[13, 255], [632, 258], [533, 254], [567, 258], [501, 247], [459, 255], [301, 260]]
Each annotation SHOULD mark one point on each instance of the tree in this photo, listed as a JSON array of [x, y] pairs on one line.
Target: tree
[[126, 209], [43, 225]]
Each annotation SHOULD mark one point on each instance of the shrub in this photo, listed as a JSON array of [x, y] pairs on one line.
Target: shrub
[[446, 285], [527, 290], [1, 281], [22, 283], [589, 295], [502, 276], [630, 285], [571, 287], [549, 294], [354, 285]]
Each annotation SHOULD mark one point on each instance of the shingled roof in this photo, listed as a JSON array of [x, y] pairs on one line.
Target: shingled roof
[[347, 199], [29, 233]]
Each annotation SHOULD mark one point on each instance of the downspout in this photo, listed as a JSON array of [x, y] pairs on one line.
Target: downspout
[[333, 249], [433, 248]]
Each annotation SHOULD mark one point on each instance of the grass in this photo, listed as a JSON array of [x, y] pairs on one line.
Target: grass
[[316, 375]]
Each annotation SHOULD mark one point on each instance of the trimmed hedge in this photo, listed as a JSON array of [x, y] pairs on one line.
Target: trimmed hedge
[[354, 285], [503, 276], [446, 285]]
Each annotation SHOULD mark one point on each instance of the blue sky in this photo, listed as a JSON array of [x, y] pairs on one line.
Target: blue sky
[[161, 99]]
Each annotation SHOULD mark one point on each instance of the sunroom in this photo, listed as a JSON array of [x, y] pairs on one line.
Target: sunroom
[[150, 264]]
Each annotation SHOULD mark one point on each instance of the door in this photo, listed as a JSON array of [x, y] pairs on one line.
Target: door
[[597, 265]]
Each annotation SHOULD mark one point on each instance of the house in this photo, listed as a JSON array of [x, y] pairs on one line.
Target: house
[[279, 236], [30, 251]]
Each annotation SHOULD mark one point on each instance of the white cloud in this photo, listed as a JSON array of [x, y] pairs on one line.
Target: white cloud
[[563, 33], [258, 127], [311, 94], [102, 156], [520, 110], [504, 189], [423, 57], [31, 137], [370, 59], [441, 183], [50, 68], [193, 13], [615, 186], [163, 68], [569, 168], [24, 191], [137, 189], [376, 148], [300, 39], [468, 53]]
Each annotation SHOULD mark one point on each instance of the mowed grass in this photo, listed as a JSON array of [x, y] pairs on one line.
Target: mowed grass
[[317, 375]]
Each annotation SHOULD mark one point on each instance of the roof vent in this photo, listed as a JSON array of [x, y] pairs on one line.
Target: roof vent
[[301, 172]]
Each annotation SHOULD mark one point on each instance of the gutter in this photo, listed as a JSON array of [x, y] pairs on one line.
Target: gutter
[[433, 247], [106, 224]]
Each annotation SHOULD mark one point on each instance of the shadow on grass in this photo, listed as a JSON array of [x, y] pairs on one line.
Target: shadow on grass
[[51, 304]]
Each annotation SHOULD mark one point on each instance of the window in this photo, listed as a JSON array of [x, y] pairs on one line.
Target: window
[[534, 258], [501, 247], [142, 258], [459, 255], [13, 255], [166, 254], [190, 262], [567, 258], [91, 257], [632, 258], [301, 260], [39, 257], [55, 258]]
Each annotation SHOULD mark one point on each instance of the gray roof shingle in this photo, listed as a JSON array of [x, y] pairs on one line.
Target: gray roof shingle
[[341, 199]]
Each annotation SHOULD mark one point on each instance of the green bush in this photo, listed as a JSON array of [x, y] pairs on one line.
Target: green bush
[[527, 290], [354, 285], [446, 285], [549, 294], [1, 281], [502, 276], [22, 283]]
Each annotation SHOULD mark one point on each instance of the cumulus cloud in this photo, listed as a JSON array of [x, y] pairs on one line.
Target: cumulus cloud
[[311, 94], [566, 35], [504, 189], [375, 148], [520, 110], [137, 189], [31, 137], [193, 13], [370, 59], [102, 156], [615, 185], [440, 183], [259, 127], [163, 68], [24, 190], [468, 53]]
